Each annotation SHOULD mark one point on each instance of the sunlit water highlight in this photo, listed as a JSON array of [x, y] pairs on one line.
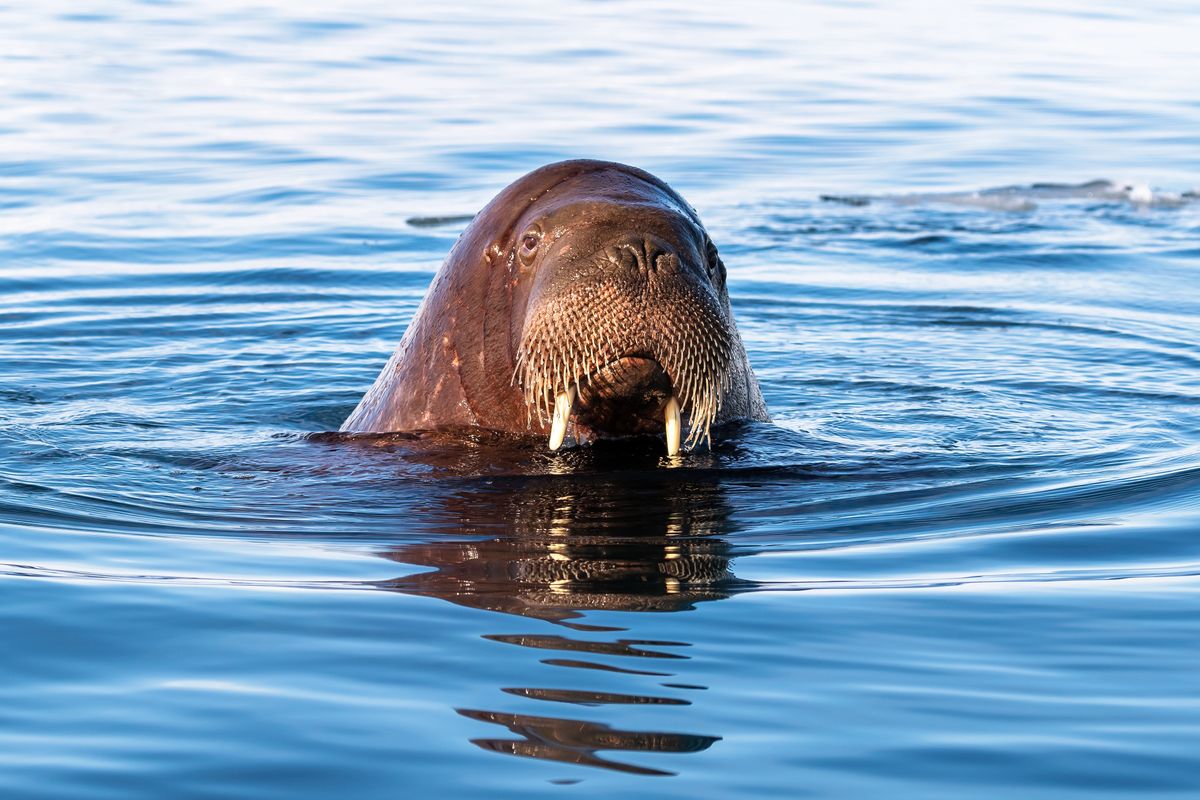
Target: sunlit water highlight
[[961, 561]]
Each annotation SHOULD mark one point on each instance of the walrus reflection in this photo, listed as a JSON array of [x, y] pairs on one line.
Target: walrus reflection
[[577, 543], [576, 741], [573, 544]]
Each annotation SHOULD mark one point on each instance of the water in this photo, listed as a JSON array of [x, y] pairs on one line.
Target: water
[[961, 561]]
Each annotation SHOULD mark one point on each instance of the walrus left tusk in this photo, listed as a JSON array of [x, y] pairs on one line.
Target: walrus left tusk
[[671, 417], [562, 413]]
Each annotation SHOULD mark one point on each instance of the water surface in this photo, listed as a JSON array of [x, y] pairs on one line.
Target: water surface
[[962, 560]]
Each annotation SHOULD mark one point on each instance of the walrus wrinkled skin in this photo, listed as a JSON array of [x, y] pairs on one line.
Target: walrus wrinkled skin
[[586, 298]]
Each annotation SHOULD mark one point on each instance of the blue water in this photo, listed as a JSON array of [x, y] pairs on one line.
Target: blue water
[[962, 561]]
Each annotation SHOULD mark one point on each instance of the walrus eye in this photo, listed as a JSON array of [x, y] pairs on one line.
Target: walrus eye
[[714, 260], [529, 246]]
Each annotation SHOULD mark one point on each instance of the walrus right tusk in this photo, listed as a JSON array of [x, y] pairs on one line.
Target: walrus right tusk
[[562, 413], [671, 417]]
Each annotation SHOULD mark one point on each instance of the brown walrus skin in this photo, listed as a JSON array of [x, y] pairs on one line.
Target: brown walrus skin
[[588, 283]]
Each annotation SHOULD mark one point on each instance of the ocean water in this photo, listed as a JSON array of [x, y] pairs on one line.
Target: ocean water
[[961, 561]]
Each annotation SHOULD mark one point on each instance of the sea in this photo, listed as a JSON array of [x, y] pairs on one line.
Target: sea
[[962, 560]]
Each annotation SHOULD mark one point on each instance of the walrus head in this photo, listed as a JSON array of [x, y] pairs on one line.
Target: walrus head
[[587, 292], [627, 324]]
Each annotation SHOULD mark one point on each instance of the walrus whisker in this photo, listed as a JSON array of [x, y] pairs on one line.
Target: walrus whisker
[[698, 373]]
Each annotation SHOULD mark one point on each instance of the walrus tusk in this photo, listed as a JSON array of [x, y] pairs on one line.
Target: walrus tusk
[[562, 413], [671, 417]]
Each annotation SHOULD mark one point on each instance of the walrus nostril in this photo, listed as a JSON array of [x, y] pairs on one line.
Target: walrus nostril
[[626, 256], [644, 255], [654, 254]]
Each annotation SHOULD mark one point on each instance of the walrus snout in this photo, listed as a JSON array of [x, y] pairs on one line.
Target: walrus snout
[[627, 397], [627, 334]]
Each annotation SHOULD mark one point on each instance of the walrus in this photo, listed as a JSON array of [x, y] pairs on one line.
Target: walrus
[[585, 298]]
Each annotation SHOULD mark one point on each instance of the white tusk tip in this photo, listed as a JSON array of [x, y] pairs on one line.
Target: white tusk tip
[[671, 419], [562, 414]]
